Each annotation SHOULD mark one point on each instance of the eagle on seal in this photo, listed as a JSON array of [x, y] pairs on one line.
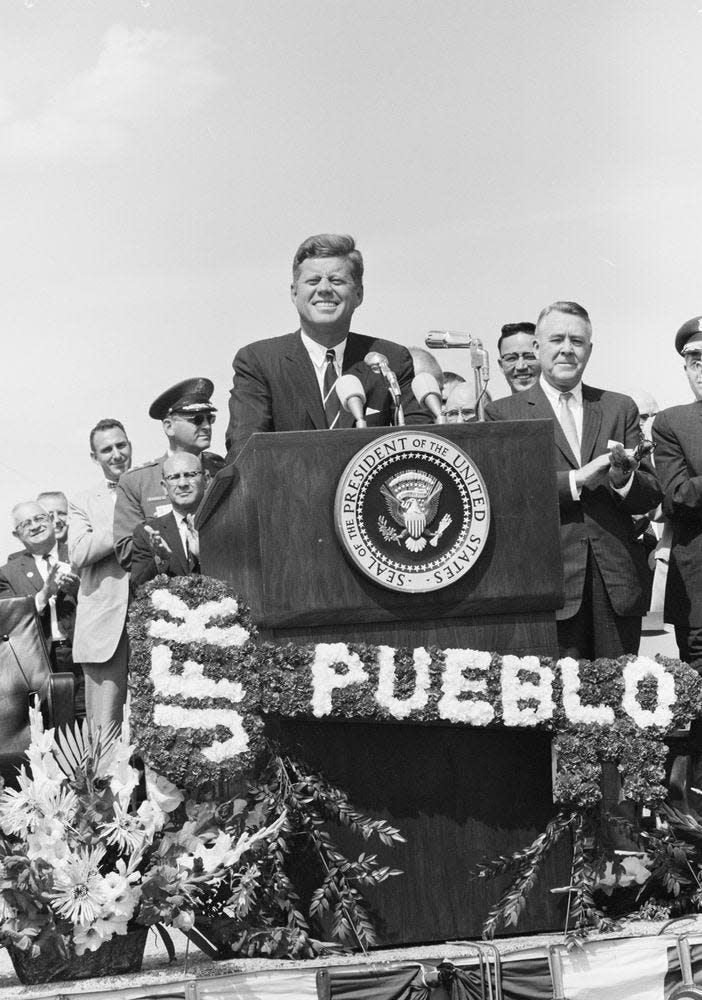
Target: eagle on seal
[[412, 501]]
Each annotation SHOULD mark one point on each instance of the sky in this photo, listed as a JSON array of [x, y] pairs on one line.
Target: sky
[[160, 161]]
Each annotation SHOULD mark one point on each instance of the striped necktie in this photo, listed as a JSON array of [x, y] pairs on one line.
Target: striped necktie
[[332, 406]]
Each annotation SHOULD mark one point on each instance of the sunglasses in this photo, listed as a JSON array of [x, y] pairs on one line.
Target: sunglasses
[[196, 418]]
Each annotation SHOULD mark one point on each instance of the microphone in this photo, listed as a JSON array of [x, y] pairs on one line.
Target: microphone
[[479, 359], [439, 339], [428, 394], [379, 363], [352, 397]]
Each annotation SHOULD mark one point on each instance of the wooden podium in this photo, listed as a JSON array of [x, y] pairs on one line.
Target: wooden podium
[[267, 528], [457, 794]]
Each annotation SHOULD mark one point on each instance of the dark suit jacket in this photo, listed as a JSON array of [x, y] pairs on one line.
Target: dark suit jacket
[[143, 562], [601, 517], [19, 577], [678, 436], [276, 389]]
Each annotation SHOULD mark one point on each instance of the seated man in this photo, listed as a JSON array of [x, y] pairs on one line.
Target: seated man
[[42, 571], [287, 383], [169, 544]]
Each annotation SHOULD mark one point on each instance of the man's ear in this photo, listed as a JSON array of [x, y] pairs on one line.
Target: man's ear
[[93, 456], [15, 533], [499, 361], [293, 290], [167, 424], [359, 292]]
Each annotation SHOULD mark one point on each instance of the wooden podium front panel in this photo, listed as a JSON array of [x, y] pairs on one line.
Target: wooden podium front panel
[[459, 796], [273, 537]]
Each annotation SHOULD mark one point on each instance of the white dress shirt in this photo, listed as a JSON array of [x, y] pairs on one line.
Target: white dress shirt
[[318, 357], [183, 531], [57, 634], [575, 405]]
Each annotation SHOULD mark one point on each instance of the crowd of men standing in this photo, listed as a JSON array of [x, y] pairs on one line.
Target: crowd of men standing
[[82, 560]]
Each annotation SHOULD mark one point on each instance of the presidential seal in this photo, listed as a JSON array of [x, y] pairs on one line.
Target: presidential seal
[[412, 511]]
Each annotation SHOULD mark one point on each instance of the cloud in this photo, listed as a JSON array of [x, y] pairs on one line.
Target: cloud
[[140, 78]]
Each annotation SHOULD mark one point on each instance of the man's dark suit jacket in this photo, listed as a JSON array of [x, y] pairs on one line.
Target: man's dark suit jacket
[[601, 517], [19, 577], [678, 436], [276, 389], [143, 562]]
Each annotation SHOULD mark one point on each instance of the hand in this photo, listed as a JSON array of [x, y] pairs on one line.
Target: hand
[[593, 474], [67, 579], [160, 548], [621, 465]]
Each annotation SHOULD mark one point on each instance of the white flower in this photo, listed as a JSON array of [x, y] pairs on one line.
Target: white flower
[[126, 830], [162, 792], [326, 679], [120, 899], [195, 621], [634, 672], [184, 921], [89, 937], [400, 708], [454, 684], [207, 718], [191, 683], [576, 712], [22, 809], [515, 690], [78, 886]]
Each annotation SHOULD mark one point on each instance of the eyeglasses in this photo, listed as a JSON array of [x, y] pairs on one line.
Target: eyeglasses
[[196, 418], [694, 362], [175, 477], [511, 359], [58, 514], [460, 416], [31, 521]]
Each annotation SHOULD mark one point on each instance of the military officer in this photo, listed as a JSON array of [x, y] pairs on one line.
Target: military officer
[[187, 416]]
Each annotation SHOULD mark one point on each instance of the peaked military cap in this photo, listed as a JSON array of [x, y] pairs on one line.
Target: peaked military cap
[[191, 396], [686, 333]]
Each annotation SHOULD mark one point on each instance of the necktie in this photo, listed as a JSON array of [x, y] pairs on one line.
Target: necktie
[[193, 542], [567, 422], [332, 406]]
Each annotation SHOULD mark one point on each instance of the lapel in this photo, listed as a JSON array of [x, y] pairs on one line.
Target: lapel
[[169, 530], [592, 419], [300, 372], [354, 353], [30, 574], [540, 408]]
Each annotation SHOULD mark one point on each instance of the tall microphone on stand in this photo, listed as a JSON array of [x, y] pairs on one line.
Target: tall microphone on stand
[[428, 394], [352, 397], [379, 364], [479, 360]]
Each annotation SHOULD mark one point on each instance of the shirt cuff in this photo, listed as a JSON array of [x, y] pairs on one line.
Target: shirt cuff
[[623, 491], [574, 488]]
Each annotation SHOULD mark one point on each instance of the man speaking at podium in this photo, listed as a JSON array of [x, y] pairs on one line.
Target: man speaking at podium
[[600, 485], [287, 383]]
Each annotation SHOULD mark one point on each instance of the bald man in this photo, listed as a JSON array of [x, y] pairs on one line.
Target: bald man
[[648, 409], [169, 544], [460, 405]]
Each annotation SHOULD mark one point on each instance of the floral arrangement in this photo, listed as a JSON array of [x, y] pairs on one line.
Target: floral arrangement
[[202, 687], [83, 861]]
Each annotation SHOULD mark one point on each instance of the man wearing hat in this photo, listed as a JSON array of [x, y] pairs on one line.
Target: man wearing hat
[[187, 416], [677, 433]]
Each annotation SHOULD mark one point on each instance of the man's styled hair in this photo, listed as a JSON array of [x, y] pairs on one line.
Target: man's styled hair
[[330, 245], [510, 329], [572, 308], [105, 425]]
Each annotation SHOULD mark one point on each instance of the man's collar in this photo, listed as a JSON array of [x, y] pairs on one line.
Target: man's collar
[[52, 552], [318, 352], [553, 394]]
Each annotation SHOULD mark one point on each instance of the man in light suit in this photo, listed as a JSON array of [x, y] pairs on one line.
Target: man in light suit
[[677, 432], [170, 544], [607, 581], [42, 571], [100, 634], [286, 383]]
